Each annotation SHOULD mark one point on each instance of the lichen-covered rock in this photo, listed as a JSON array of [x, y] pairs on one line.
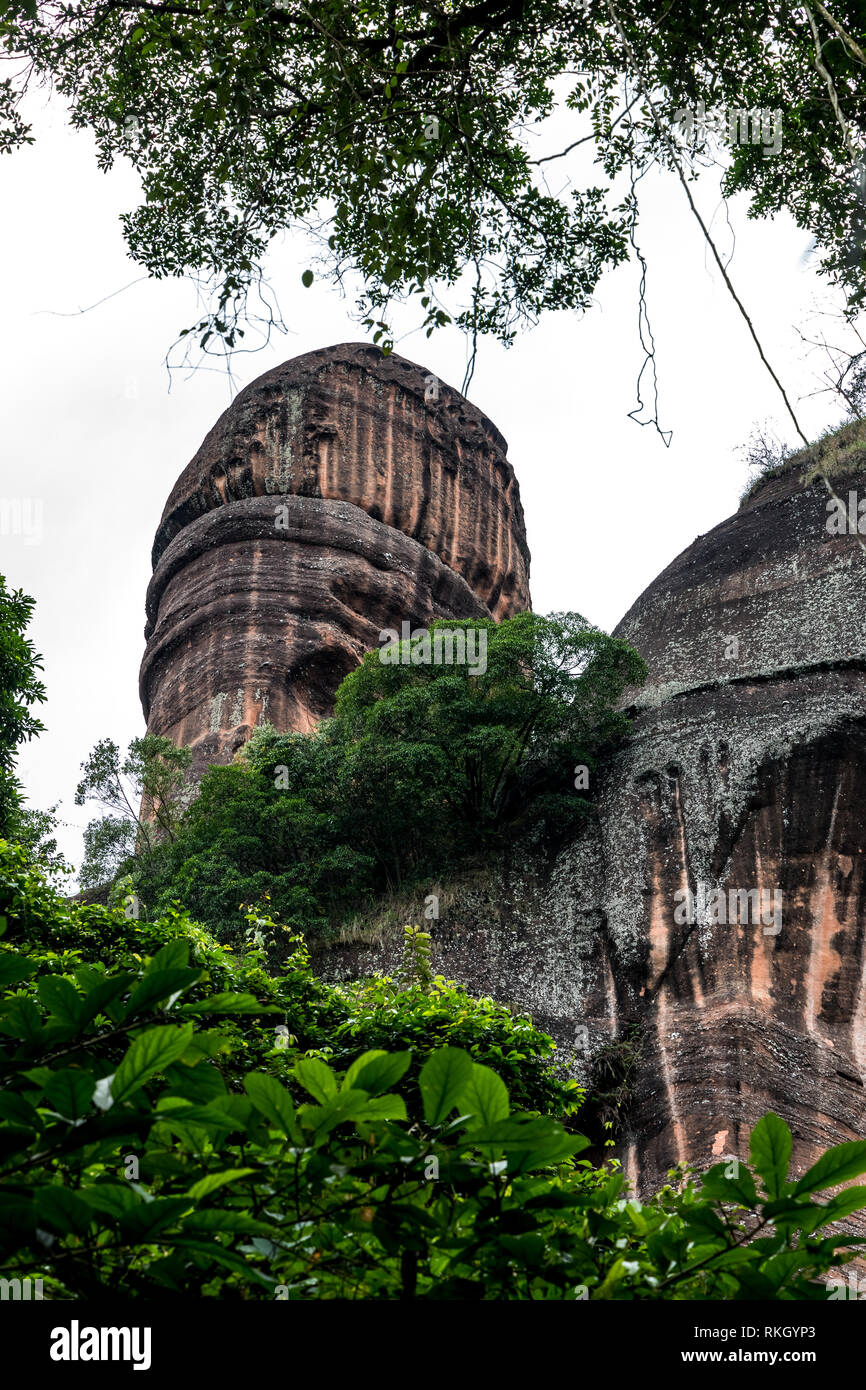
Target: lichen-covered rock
[[341, 494]]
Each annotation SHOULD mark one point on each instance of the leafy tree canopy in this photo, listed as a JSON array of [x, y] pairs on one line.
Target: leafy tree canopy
[[144, 793], [409, 139], [20, 688], [422, 767]]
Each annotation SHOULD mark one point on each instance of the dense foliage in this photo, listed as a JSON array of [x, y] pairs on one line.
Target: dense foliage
[[422, 767], [409, 139], [20, 688], [337, 1022], [144, 795], [139, 1154]]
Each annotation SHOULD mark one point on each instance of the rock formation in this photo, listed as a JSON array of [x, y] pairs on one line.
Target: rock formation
[[745, 772], [341, 493], [713, 910]]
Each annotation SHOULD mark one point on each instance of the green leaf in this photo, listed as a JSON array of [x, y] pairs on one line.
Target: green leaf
[[14, 968], [62, 1210], [844, 1204], [485, 1096], [317, 1078], [770, 1152], [343, 1106], [60, 997], [20, 1018], [158, 986], [741, 1189], [376, 1071], [443, 1079], [307, 279], [212, 1181], [149, 1219], [112, 1199], [214, 1253], [100, 996], [273, 1101], [837, 1165], [173, 956], [383, 1108], [70, 1092], [152, 1052], [216, 1219], [527, 1142], [230, 1004]]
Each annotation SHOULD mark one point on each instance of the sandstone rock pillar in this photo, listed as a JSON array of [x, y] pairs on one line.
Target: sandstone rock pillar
[[341, 493]]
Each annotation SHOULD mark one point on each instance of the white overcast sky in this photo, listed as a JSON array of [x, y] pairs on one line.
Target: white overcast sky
[[90, 428]]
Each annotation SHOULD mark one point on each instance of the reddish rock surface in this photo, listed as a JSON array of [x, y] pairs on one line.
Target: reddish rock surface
[[330, 501], [745, 770]]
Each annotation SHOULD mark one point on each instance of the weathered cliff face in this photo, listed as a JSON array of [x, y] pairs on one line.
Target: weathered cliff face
[[342, 493], [713, 909], [745, 774]]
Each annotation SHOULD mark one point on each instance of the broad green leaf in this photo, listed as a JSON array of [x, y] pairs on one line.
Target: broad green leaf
[[20, 1018], [15, 1138], [217, 1219], [837, 1165], [272, 1100], [70, 1092], [60, 997], [384, 1108], [316, 1077], [100, 996], [212, 1181], [214, 1253], [718, 1187], [113, 1199], [19, 1110], [485, 1096], [527, 1142], [443, 1079], [770, 1152], [150, 1219], [152, 1052], [158, 986], [377, 1071], [14, 968], [173, 955], [344, 1105], [844, 1204], [60, 1209]]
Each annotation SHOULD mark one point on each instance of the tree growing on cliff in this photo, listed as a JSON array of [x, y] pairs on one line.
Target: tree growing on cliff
[[422, 768], [143, 794], [412, 140], [510, 737], [20, 687]]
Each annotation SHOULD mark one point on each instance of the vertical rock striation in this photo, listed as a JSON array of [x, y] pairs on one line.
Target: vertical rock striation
[[341, 493], [744, 775]]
